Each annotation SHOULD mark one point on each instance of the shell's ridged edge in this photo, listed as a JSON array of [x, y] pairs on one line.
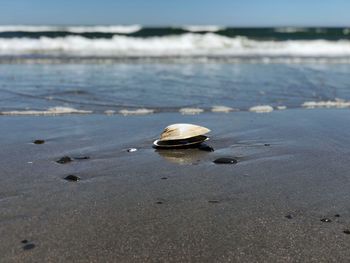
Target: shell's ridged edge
[[157, 145]]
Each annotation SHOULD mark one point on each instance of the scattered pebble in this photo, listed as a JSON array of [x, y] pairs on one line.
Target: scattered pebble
[[28, 246], [289, 216], [326, 220], [72, 178], [206, 148], [346, 231], [336, 215], [39, 142], [225, 161], [164, 178], [159, 202], [64, 159], [130, 150], [24, 241]]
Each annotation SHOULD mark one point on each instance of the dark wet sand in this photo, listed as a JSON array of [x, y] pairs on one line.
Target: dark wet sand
[[176, 206]]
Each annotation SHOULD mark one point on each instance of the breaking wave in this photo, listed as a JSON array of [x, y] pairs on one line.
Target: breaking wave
[[189, 44]]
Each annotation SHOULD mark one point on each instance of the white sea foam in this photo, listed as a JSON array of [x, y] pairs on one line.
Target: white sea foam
[[290, 29], [185, 45], [118, 29], [190, 111], [49, 111], [337, 103], [136, 112], [261, 109], [205, 28], [346, 31], [281, 107], [109, 112], [221, 109]]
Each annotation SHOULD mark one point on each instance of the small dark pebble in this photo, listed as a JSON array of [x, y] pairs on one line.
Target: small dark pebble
[[39, 142], [213, 201], [336, 215], [225, 161], [159, 202], [81, 157], [164, 178], [289, 216], [64, 159], [207, 148], [24, 241], [346, 231], [28, 246], [267, 144], [72, 178], [326, 220]]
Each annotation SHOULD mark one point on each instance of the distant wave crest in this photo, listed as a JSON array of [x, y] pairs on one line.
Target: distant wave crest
[[74, 29], [207, 28]]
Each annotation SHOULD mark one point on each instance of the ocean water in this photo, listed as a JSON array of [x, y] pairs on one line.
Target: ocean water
[[190, 69]]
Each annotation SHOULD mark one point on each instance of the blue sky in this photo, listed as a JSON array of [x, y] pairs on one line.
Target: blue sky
[[177, 12]]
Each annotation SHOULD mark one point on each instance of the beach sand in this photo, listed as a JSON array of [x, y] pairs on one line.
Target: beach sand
[[292, 176]]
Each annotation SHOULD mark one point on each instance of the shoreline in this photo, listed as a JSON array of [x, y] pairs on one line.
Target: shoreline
[[209, 59]]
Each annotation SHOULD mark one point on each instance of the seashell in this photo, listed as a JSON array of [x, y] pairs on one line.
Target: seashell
[[182, 134], [182, 131]]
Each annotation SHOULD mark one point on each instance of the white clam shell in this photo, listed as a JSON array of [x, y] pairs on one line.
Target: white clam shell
[[180, 131]]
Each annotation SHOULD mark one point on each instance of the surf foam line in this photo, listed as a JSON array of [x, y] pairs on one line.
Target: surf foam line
[[185, 45], [220, 109], [49, 111], [131, 111], [337, 103]]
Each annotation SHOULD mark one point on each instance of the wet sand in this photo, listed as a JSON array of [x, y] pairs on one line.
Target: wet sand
[[286, 200]]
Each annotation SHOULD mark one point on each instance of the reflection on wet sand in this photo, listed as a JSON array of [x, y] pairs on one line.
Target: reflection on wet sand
[[182, 156]]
